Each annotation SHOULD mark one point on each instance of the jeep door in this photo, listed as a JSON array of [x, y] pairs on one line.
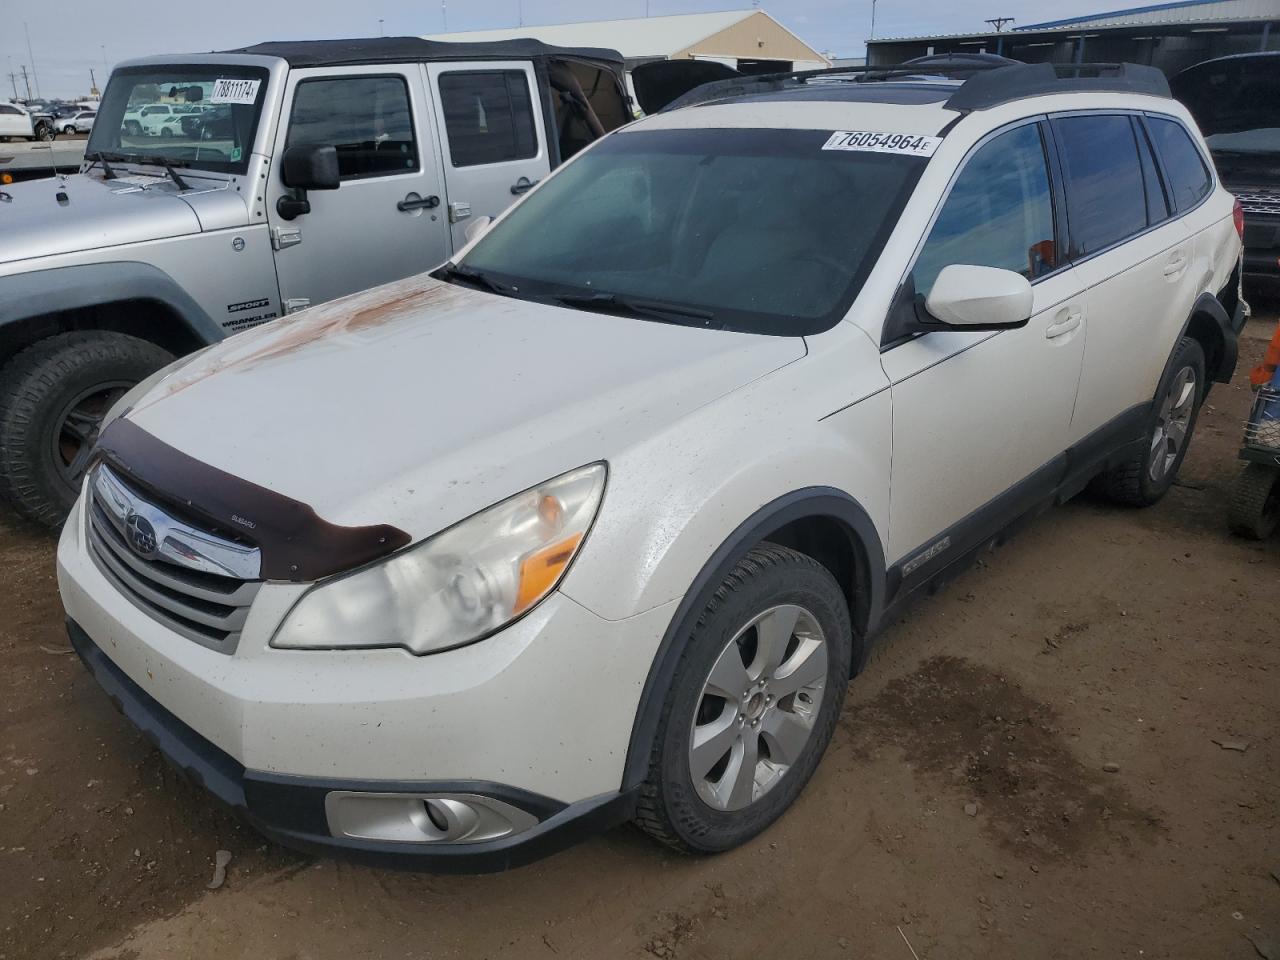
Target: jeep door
[[386, 219], [495, 142], [980, 419]]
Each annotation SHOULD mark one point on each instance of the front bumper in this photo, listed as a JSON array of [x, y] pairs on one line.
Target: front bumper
[[537, 717], [291, 809]]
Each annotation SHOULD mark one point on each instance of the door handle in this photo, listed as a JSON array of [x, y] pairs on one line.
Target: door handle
[[522, 185], [1177, 263], [1068, 319], [415, 202]]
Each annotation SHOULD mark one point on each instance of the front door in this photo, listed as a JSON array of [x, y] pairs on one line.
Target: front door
[[381, 224], [975, 414], [495, 143]]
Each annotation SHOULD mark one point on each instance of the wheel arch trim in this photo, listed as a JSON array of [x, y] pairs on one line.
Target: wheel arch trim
[[1209, 308], [25, 296], [810, 502]]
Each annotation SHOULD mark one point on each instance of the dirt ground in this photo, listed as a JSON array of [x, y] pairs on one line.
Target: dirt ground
[[963, 809]]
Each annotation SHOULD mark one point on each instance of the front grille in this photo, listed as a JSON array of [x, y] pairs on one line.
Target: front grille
[[1259, 202], [186, 581]]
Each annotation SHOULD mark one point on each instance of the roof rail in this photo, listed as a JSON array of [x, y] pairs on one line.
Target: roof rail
[[991, 88], [986, 82]]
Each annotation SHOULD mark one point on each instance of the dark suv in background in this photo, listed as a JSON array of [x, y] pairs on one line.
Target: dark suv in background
[[1236, 102]]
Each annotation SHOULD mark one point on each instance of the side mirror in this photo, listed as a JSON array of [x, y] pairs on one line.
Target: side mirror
[[980, 298], [477, 228], [311, 166]]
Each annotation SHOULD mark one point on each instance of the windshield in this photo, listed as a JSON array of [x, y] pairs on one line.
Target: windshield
[[202, 115], [1236, 103], [760, 231]]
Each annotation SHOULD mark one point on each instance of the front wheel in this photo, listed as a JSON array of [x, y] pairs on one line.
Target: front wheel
[[44, 131], [752, 706], [53, 396]]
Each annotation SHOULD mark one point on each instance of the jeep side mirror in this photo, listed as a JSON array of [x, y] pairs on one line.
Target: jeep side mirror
[[311, 166], [980, 298]]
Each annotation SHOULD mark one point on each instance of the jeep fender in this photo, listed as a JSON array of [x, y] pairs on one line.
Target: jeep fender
[[43, 292]]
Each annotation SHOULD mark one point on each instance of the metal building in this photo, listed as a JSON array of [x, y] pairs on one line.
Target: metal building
[[1166, 35], [747, 40]]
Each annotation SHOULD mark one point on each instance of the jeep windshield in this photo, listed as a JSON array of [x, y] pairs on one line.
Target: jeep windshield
[[759, 231], [202, 116]]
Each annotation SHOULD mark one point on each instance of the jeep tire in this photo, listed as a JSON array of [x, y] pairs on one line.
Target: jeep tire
[[732, 702], [53, 396]]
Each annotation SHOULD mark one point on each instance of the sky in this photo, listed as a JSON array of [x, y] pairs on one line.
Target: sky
[[71, 37]]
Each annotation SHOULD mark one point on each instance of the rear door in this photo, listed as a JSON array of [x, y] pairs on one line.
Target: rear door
[[494, 143], [1134, 257], [386, 221]]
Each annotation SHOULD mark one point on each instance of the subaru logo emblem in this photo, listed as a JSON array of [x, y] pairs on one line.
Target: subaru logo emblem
[[142, 535]]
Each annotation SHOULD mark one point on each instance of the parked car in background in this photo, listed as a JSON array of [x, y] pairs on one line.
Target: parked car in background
[[18, 123], [77, 121], [317, 170], [1236, 102], [594, 522]]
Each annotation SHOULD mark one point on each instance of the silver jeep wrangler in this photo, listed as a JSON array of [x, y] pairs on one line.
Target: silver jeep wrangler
[[219, 191]]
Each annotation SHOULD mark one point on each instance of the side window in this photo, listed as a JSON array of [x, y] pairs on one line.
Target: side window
[[368, 120], [1105, 198], [1157, 204], [1189, 178], [999, 212], [488, 116], [9, 111]]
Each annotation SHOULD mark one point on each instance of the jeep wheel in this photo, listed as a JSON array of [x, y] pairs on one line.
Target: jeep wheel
[[1148, 473], [53, 396], [752, 705], [44, 131]]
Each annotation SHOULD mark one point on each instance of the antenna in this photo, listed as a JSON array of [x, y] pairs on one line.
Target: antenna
[[999, 22]]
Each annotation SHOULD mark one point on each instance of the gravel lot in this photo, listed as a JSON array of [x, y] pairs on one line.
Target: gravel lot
[[963, 810]]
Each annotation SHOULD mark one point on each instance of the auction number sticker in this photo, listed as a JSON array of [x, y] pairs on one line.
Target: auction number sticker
[[235, 91], [872, 142]]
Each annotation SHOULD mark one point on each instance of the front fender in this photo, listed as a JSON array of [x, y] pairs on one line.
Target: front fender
[[40, 292]]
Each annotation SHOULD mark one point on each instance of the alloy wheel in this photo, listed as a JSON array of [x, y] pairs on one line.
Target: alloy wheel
[[78, 427], [1170, 434], [757, 708]]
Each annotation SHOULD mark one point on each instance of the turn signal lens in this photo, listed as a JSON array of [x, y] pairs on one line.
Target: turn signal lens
[[1237, 214], [540, 570]]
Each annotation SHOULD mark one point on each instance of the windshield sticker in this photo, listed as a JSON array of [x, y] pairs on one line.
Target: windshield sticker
[[235, 91], [235, 154], [866, 140]]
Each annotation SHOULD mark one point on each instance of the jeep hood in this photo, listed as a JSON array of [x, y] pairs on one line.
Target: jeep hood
[[96, 213], [418, 403]]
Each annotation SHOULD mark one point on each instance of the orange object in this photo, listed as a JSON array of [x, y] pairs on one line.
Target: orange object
[[540, 570], [1263, 372]]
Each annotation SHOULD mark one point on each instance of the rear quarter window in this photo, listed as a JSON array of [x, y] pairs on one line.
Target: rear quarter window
[[1189, 179]]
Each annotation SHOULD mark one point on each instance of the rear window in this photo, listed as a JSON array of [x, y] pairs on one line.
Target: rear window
[[1106, 200], [488, 116], [1189, 178]]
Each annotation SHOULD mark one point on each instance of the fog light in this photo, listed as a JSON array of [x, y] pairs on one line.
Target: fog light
[[423, 818]]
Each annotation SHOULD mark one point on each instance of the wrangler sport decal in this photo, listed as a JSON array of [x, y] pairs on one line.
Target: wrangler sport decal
[[871, 142]]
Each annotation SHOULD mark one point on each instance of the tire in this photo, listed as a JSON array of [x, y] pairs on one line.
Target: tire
[[133, 128], [165, 133], [1255, 502], [45, 132], [52, 395], [699, 814], [1146, 475]]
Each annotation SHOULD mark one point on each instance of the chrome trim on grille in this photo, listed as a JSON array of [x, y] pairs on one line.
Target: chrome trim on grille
[[1259, 202], [196, 583]]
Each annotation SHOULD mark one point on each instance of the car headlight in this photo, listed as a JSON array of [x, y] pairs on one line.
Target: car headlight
[[460, 585]]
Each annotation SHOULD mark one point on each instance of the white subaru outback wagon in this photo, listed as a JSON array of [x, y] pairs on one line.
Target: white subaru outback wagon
[[594, 523]]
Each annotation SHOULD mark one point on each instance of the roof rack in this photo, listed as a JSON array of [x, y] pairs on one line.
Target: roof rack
[[987, 81]]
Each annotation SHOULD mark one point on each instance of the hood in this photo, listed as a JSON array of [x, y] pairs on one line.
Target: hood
[[419, 403], [96, 213]]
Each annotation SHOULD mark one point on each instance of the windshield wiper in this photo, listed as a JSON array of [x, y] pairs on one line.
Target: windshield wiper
[[101, 157], [147, 161], [459, 274], [627, 306]]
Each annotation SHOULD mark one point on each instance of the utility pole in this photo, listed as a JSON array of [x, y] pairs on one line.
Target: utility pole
[[13, 78], [873, 20], [444, 15], [93, 82], [381, 32], [998, 23], [32, 57], [26, 80]]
